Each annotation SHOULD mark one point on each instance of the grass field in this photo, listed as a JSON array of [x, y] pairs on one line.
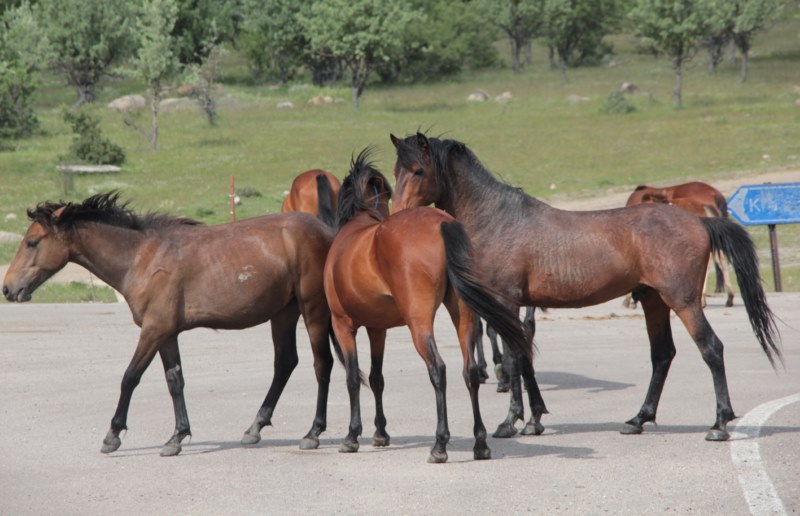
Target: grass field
[[540, 140]]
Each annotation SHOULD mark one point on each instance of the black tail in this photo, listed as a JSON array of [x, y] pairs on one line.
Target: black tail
[[734, 241], [325, 201], [460, 272]]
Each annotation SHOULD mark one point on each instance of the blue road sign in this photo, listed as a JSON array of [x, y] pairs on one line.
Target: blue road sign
[[777, 203]]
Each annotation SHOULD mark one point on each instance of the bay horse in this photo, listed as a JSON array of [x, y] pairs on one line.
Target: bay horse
[[177, 274], [569, 259], [314, 192], [702, 200], [707, 202], [383, 272]]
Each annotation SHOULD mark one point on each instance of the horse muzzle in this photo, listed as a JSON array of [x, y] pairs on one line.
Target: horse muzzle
[[21, 295]]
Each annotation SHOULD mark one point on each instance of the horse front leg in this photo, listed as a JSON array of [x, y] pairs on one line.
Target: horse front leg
[[145, 351], [662, 351], [483, 375], [319, 330], [377, 343], [503, 382], [284, 342], [534, 425], [171, 358], [516, 410]]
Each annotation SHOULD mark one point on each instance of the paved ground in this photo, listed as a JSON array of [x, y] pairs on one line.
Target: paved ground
[[59, 382]]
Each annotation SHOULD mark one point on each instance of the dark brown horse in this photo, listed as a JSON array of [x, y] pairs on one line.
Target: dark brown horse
[[177, 274], [314, 192], [702, 200], [386, 272], [564, 259]]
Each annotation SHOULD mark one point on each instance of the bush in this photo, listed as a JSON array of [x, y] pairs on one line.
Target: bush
[[89, 145], [618, 103]]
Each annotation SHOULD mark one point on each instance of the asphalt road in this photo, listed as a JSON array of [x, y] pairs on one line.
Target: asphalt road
[[61, 365]]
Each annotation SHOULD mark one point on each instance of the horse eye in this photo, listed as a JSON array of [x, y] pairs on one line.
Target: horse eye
[[418, 172], [32, 244]]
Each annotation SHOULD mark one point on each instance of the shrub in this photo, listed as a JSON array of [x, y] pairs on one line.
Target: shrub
[[618, 103], [89, 145]]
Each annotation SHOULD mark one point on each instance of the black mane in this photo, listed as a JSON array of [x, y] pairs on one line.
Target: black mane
[[447, 155], [104, 209], [359, 188]]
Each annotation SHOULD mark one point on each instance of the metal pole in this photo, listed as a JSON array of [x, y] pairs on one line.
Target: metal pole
[[776, 261], [233, 208]]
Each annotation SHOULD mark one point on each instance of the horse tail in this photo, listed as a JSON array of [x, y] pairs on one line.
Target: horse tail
[[480, 298], [735, 243], [325, 200]]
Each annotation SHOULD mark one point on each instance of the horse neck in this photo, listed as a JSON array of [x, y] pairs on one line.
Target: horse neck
[[106, 251]]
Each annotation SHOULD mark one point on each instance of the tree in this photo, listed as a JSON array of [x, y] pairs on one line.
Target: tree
[[575, 29], [197, 22], [519, 20], [155, 58], [360, 33], [89, 37], [272, 36], [749, 17], [674, 27], [24, 50]]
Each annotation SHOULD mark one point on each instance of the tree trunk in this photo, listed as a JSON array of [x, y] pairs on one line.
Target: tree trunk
[[678, 82], [745, 60], [551, 56], [516, 66], [154, 105], [528, 52]]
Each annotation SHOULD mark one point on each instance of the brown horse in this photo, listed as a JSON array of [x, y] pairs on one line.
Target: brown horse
[[565, 259], [386, 272], [177, 274], [702, 200], [314, 192]]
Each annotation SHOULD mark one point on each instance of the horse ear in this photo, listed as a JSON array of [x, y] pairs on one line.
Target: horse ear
[[57, 214], [422, 141], [397, 142]]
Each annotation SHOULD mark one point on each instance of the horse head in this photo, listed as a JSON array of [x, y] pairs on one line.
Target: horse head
[[415, 172], [41, 254], [364, 189]]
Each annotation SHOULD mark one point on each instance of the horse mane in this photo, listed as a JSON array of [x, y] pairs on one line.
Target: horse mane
[[102, 208], [640, 188], [355, 195]]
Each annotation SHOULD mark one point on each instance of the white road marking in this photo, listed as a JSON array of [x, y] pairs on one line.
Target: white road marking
[[761, 496]]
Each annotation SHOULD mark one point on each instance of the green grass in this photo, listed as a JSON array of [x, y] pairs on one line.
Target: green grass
[[537, 141], [73, 292]]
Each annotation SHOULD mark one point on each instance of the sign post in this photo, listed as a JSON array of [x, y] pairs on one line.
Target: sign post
[[767, 204]]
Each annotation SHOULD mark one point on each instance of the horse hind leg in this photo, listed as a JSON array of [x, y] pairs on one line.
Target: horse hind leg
[[171, 359], [662, 351], [426, 347], [284, 341], [503, 383], [724, 271], [377, 343], [479, 348], [318, 324], [712, 351]]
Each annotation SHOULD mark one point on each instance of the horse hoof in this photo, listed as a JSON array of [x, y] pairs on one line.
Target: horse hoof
[[170, 450], [437, 458], [535, 428], [717, 435], [380, 440], [482, 453], [111, 444], [498, 371], [248, 438], [503, 387], [309, 443], [505, 430], [348, 447], [629, 429], [483, 376]]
